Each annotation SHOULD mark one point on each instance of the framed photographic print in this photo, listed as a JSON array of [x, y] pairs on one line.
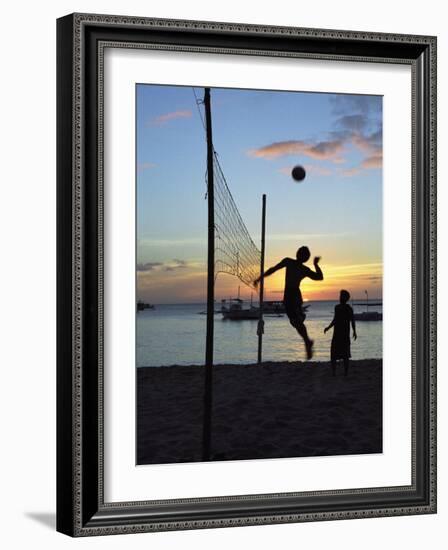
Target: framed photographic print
[[246, 274]]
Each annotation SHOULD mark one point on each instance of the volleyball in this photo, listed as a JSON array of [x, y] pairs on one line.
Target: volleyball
[[298, 173]]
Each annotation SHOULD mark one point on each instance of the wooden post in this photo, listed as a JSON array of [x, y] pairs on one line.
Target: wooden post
[[208, 387], [260, 329]]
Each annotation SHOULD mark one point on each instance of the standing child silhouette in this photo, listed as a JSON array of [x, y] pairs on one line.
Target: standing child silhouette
[[340, 343]]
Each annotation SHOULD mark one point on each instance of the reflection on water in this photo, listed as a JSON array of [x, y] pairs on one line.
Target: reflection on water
[[175, 335]]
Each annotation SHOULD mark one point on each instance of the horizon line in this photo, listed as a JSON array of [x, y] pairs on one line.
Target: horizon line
[[371, 298]]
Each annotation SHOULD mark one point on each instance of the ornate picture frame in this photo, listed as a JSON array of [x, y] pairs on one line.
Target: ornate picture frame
[[81, 506]]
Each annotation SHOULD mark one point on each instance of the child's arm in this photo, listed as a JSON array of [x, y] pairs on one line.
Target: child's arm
[[330, 325], [354, 327]]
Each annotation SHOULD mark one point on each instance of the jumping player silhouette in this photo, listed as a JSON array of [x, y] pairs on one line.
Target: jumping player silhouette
[[296, 271]]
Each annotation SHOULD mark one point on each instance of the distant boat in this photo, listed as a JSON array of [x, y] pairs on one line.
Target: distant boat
[[276, 307], [368, 315], [143, 305], [233, 310]]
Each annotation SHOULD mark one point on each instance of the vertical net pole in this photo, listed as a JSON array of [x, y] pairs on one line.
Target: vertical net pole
[[207, 424], [260, 330]]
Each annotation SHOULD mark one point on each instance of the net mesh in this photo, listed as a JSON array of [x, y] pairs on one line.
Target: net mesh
[[235, 251]]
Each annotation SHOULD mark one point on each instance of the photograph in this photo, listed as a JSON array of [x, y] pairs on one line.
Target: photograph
[[246, 273], [259, 274]]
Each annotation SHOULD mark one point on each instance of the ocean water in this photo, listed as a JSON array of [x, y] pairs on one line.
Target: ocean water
[[175, 335]]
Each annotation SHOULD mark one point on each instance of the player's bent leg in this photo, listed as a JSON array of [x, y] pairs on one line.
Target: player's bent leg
[[301, 329], [293, 321], [296, 318]]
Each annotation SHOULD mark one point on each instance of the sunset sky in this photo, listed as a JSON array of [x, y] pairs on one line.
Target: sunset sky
[[259, 136]]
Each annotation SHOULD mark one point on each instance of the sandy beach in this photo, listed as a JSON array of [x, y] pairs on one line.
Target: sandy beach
[[269, 411]]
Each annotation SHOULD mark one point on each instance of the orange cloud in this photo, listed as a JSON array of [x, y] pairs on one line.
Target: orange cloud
[[330, 150], [318, 170], [368, 144], [374, 161], [167, 117], [339, 160], [170, 283], [323, 150], [141, 166], [351, 172]]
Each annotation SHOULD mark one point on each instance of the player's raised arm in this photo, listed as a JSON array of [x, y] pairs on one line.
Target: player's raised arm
[[271, 270], [316, 275]]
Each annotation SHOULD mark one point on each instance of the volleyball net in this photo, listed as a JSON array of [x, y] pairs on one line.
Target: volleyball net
[[235, 250]]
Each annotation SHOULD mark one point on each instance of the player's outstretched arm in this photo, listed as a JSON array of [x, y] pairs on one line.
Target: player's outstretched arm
[[271, 270]]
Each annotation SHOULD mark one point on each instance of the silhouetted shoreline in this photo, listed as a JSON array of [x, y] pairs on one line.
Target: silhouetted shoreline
[[278, 409]]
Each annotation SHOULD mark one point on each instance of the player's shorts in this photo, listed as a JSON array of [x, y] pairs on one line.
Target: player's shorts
[[294, 311]]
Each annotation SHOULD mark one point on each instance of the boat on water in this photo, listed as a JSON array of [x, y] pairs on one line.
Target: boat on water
[[234, 310], [143, 305], [368, 314], [274, 307]]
